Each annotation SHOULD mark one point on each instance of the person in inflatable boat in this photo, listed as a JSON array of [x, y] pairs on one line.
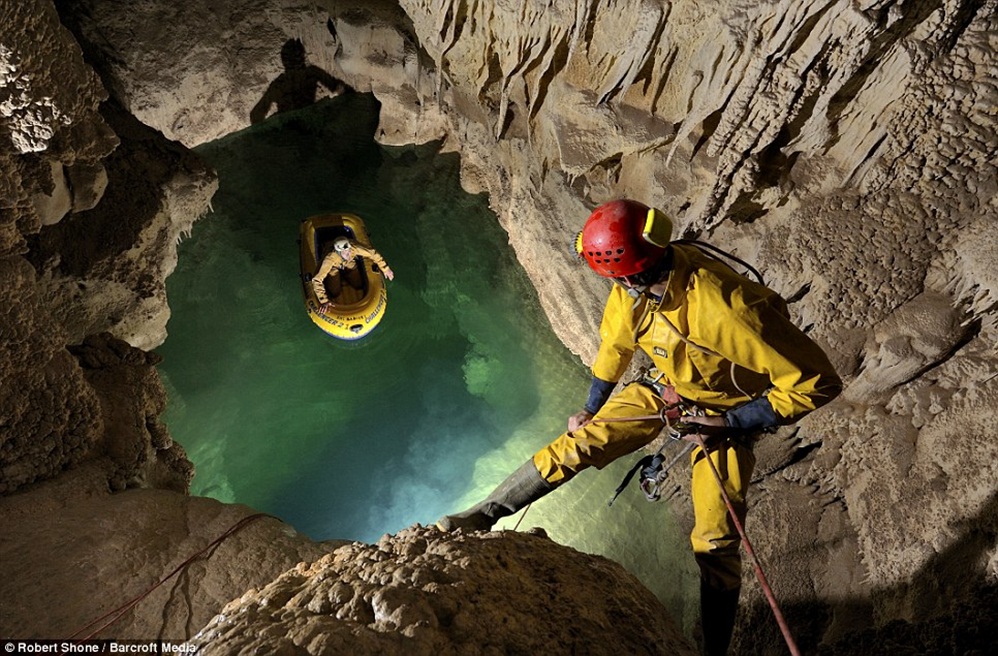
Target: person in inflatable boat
[[723, 347], [341, 262]]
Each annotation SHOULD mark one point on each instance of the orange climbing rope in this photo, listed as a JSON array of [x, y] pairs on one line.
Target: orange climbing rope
[[120, 611], [761, 575]]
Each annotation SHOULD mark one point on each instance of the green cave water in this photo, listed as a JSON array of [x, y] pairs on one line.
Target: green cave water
[[461, 382]]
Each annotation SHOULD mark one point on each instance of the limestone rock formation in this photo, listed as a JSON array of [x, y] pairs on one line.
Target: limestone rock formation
[[51, 418], [197, 94], [75, 266], [54, 140], [135, 445], [848, 150], [84, 554], [105, 268], [424, 592]]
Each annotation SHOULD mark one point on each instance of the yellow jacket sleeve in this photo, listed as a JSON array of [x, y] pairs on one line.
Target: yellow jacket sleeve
[[617, 333], [750, 326], [319, 279], [373, 255]]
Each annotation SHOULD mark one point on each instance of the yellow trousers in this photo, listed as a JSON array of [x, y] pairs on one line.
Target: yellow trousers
[[714, 538]]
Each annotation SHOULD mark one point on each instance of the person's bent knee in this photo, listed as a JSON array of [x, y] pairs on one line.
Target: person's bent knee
[[559, 461]]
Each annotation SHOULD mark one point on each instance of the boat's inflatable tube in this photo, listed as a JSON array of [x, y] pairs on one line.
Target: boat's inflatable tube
[[355, 312]]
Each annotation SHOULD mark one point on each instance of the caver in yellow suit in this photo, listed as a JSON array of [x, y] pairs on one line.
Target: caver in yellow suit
[[727, 347], [342, 258]]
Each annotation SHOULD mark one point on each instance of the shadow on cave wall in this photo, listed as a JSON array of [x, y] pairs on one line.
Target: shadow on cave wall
[[297, 87], [953, 605]]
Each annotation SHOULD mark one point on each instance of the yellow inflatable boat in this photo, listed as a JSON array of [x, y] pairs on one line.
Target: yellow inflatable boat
[[354, 312]]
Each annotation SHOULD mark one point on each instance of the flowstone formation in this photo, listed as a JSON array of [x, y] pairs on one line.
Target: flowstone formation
[[424, 592], [848, 150]]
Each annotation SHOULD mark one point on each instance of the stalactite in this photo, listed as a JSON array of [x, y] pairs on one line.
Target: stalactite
[[447, 13], [641, 45], [583, 14]]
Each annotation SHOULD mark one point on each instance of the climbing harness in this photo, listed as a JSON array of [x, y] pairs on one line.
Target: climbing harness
[[653, 468]]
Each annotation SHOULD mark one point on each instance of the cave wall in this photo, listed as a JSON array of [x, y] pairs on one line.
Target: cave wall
[[93, 499], [82, 276], [846, 149]]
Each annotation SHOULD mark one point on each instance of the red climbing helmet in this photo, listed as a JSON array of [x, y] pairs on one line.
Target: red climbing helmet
[[623, 238]]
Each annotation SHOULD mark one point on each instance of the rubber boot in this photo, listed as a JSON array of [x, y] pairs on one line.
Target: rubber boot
[[717, 618], [522, 487]]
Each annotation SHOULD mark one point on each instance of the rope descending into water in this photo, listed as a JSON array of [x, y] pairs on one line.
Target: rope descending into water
[[120, 611]]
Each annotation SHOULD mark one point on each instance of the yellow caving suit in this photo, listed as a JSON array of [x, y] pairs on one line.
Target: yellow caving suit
[[333, 263], [734, 320]]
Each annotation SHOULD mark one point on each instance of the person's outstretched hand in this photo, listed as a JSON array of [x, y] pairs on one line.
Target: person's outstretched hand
[[389, 273]]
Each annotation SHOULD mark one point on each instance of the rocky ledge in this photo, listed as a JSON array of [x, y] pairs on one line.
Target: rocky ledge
[[423, 592]]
